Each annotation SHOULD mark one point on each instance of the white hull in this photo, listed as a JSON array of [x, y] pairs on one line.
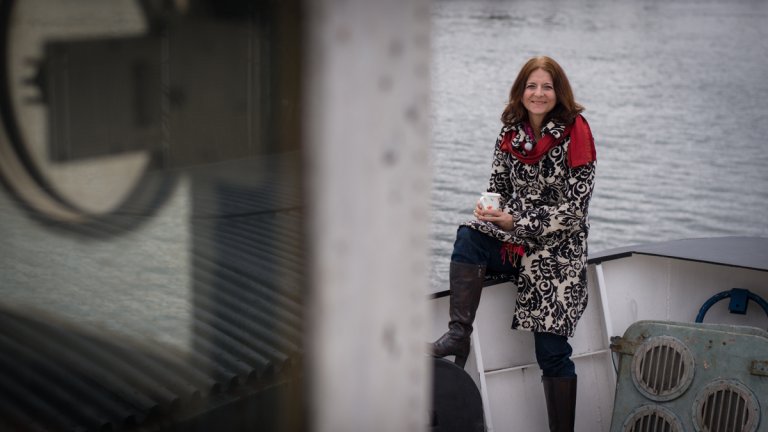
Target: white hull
[[635, 287]]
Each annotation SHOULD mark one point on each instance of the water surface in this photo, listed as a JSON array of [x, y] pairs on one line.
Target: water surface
[[675, 91]]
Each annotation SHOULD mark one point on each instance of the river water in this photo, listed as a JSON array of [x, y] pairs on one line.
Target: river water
[[676, 93]]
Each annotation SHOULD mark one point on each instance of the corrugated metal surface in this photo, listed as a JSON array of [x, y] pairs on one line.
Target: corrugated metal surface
[[247, 264]]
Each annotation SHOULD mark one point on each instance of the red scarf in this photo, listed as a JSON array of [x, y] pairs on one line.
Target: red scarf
[[581, 150]]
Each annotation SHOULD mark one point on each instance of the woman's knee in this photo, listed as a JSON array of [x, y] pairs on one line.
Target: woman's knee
[[465, 233], [469, 246], [553, 354]]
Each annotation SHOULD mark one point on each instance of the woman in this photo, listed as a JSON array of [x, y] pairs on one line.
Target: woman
[[544, 169]]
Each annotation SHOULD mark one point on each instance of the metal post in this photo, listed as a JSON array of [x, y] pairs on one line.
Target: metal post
[[477, 348], [604, 302], [367, 147]]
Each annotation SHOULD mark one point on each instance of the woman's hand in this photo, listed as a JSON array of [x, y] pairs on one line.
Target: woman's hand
[[502, 219]]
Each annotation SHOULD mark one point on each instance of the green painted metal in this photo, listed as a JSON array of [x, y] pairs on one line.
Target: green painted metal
[[732, 360], [759, 368]]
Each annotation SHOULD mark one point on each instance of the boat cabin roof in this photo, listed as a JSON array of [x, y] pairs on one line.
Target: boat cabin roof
[[744, 252]]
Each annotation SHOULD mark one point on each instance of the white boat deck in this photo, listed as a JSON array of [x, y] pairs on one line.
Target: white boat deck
[[663, 281]]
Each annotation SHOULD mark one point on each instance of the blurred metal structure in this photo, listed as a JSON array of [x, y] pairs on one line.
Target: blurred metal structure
[[200, 215]]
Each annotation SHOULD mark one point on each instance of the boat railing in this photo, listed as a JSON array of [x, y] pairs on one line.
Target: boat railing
[[738, 304]]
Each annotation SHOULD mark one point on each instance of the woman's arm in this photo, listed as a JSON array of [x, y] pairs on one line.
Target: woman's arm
[[500, 182], [536, 222]]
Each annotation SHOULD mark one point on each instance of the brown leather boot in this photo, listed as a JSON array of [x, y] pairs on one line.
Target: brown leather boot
[[466, 284], [560, 393]]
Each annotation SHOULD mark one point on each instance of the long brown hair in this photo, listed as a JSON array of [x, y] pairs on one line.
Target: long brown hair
[[566, 109]]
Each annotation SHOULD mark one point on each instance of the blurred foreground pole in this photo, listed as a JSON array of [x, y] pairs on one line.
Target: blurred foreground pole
[[367, 146]]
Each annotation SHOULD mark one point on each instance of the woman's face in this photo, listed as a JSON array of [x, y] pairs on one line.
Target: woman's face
[[539, 96]]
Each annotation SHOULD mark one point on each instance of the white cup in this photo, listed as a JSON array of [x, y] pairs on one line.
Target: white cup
[[490, 200]]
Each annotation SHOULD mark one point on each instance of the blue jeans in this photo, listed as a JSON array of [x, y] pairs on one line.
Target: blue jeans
[[474, 247], [553, 352]]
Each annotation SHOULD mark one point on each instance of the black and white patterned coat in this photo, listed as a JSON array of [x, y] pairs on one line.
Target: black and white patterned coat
[[549, 201]]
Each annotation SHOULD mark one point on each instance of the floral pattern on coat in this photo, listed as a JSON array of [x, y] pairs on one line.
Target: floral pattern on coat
[[549, 201]]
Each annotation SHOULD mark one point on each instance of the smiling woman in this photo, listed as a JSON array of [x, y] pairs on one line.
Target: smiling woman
[[544, 170], [539, 99], [546, 90], [659, 127]]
